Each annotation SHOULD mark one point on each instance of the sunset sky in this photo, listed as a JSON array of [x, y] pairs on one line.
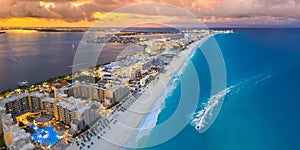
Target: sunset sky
[[85, 13]]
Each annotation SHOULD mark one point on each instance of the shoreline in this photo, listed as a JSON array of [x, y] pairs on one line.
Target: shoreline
[[165, 94], [129, 123]]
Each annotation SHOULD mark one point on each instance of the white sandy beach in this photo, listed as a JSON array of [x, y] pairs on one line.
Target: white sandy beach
[[128, 122]]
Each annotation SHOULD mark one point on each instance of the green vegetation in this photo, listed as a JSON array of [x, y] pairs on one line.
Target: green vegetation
[[2, 143], [89, 79], [30, 118], [55, 79], [6, 92], [51, 94]]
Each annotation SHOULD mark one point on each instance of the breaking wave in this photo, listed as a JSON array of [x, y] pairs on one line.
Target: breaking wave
[[151, 119]]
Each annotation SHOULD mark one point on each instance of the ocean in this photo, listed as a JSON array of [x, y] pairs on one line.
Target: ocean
[[260, 108], [261, 102]]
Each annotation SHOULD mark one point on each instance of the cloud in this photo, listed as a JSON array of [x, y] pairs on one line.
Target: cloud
[[252, 8], [69, 10], [55, 1], [233, 11]]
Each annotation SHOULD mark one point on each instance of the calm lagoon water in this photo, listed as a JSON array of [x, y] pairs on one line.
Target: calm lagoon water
[[260, 112], [38, 56]]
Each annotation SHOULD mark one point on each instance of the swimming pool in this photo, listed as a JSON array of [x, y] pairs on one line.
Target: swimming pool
[[47, 134]]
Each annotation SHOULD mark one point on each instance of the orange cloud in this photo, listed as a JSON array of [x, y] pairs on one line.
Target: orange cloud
[[86, 12], [208, 4], [40, 22]]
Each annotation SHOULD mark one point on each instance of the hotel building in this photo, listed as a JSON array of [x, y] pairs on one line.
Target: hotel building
[[14, 137], [86, 116], [106, 95], [17, 105], [116, 93], [85, 91], [78, 112], [48, 106], [65, 112]]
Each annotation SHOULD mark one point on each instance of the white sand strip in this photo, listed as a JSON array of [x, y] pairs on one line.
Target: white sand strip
[[128, 122]]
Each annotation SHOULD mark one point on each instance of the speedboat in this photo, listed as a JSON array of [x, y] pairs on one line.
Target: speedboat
[[23, 83]]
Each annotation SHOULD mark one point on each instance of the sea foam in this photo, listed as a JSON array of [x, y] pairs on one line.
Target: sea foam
[[151, 119]]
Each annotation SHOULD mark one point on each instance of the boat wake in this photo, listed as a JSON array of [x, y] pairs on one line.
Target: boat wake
[[204, 118]]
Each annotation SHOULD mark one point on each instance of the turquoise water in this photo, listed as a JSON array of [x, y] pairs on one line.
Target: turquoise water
[[47, 134], [261, 109]]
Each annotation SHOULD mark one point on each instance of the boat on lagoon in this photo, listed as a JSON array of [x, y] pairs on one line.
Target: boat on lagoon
[[23, 83]]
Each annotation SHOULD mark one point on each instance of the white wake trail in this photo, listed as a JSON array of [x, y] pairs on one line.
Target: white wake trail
[[205, 117], [206, 112]]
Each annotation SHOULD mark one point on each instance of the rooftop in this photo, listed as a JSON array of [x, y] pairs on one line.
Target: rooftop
[[66, 105], [36, 94], [48, 99], [81, 110], [14, 97]]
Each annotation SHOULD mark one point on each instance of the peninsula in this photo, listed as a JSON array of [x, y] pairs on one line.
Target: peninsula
[[96, 107]]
